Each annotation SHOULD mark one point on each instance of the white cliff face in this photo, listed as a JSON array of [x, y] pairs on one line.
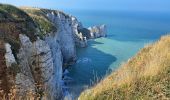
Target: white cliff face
[[40, 63], [46, 60], [98, 31], [65, 35], [9, 56], [24, 79], [58, 62], [24, 84], [71, 33], [42, 59], [80, 40]]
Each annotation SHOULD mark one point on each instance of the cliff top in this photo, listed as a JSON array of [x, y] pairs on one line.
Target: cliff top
[[13, 22], [40, 18], [32, 22], [145, 76]]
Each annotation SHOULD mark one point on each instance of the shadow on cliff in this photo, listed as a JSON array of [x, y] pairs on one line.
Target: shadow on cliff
[[91, 66]]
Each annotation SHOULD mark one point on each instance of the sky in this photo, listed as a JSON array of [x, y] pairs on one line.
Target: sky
[[125, 5]]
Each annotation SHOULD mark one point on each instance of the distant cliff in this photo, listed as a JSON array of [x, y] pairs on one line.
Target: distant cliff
[[146, 76], [35, 46]]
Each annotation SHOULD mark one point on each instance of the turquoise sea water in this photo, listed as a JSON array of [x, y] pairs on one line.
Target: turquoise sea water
[[127, 33]]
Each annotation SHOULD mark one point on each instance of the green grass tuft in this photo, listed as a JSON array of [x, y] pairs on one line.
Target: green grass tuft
[[40, 18]]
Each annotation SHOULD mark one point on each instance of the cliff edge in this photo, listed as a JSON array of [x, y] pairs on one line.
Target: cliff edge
[[36, 45]]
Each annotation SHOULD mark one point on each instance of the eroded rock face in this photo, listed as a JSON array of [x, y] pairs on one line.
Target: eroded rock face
[[38, 63], [80, 39], [8, 55], [65, 35], [55, 81], [41, 66], [98, 31], [24, 85]]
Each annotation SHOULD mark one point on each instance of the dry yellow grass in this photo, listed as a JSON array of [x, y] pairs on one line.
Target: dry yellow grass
[[144, 77], [30, 95]]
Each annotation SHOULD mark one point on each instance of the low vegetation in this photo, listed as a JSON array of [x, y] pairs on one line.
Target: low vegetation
[[39, 16], [144, 77], [13, 22], [13, 95]]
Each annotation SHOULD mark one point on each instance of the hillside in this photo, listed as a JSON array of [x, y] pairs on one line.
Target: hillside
[[31, 57], [42, 21], [36, 45], [146, 76], [13, 22]]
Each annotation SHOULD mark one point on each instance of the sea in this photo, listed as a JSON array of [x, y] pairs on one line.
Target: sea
[[127, 33]]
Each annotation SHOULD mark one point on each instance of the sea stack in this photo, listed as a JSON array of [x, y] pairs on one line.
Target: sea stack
[[98, 31]]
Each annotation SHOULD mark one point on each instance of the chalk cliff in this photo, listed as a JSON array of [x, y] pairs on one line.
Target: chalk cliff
[[98, 31], [35, 46]]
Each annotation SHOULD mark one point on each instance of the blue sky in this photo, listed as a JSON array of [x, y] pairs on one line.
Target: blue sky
[[127, 5]]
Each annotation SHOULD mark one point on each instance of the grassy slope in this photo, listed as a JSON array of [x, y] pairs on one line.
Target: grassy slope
[[40, 18], [29, 21], [13, 22], [21, 20], [145, 76]]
